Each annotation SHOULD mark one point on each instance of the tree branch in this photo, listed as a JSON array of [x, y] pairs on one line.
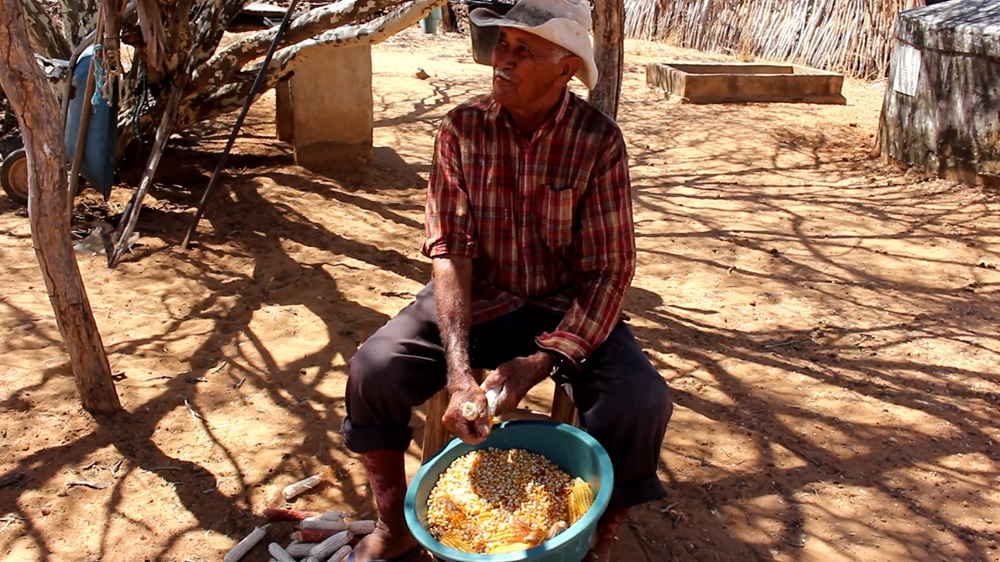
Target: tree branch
[[230, 60], [46, 39], [218, 98]]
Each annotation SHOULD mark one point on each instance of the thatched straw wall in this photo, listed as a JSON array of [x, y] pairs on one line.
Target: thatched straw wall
[[849, 36]]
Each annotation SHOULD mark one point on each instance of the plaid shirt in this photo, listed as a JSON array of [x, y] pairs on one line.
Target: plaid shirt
[[547, 220]]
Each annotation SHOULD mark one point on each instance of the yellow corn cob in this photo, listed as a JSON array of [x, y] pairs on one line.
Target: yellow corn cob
[[512, 547], [581, 497], [455, 541], [516, 533], [535, 538]]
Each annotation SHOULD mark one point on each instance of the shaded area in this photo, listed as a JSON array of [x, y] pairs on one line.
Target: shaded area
[[827, 326]]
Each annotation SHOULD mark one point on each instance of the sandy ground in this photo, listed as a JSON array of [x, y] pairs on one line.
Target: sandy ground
[[827, 323]]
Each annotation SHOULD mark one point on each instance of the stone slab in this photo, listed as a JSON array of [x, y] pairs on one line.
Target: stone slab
[[746, 82]]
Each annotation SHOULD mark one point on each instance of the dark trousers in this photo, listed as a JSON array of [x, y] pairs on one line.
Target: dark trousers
[[623, 401]]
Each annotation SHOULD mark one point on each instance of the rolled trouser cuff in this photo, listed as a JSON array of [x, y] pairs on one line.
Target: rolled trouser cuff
[[366, 439]]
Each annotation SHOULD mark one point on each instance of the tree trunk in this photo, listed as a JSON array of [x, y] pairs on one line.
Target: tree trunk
[[35, 102], [46, 39], [449, 23], [609, 50]]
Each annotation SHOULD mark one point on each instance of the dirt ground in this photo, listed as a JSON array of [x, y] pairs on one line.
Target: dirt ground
[[828, 325]]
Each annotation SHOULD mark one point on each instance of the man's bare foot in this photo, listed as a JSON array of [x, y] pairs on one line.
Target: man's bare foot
[[604, 555], [383, 543], [604, 535]]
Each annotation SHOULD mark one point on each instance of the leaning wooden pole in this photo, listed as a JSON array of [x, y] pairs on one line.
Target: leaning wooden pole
[[131, 215], [34, 102], [285, 21], [609, 50]]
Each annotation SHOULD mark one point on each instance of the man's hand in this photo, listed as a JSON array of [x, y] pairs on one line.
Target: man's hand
[[518, 376], [470, 431]]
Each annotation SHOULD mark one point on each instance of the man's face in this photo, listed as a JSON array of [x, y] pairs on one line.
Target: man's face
[[526, 69]]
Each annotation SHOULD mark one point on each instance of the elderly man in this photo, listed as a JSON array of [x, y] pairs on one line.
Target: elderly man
[[530, 233]]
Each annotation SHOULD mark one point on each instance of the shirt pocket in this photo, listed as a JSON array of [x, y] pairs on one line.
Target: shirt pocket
[[555, 215]]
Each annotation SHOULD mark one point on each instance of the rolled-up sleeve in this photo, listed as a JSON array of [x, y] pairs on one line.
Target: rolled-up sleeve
[[448, 222]]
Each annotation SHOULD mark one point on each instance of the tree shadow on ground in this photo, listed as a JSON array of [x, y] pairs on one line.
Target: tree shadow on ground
[[822, 258], [792, 447]]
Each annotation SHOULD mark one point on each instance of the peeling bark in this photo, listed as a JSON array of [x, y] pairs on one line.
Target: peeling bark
[[231, 59], [47, 38], [226, 94], [222, 77]]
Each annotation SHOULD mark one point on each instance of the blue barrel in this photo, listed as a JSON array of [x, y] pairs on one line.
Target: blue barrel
[[429, 23], [100, 150]]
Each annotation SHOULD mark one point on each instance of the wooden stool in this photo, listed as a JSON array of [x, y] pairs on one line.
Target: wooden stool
[[436, 436]]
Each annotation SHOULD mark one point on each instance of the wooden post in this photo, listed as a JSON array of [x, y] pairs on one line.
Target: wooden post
[[131, 215], [449, 23], [563, 409], [435, 434], [283, 111], [609, 50], [35, 103]]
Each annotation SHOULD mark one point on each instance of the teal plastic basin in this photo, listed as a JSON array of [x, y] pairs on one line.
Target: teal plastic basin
[[572, 449]]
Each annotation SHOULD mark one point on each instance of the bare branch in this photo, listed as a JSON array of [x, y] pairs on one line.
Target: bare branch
[[222, 97], [228, 61]]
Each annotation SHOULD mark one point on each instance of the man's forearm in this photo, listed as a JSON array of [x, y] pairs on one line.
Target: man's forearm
[[453, 295]]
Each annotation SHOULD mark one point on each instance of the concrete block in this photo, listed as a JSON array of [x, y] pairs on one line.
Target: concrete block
[[332, 108], [742, 82]]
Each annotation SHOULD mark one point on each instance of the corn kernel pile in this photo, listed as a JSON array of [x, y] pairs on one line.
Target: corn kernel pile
[[490, 501]]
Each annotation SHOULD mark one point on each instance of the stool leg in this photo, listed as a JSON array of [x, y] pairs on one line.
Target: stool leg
[[563, 409], [435, 434]]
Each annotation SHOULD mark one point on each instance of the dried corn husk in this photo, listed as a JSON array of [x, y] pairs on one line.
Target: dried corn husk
[[279, 553], [362, 527], [244, 546], [331, 545]]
